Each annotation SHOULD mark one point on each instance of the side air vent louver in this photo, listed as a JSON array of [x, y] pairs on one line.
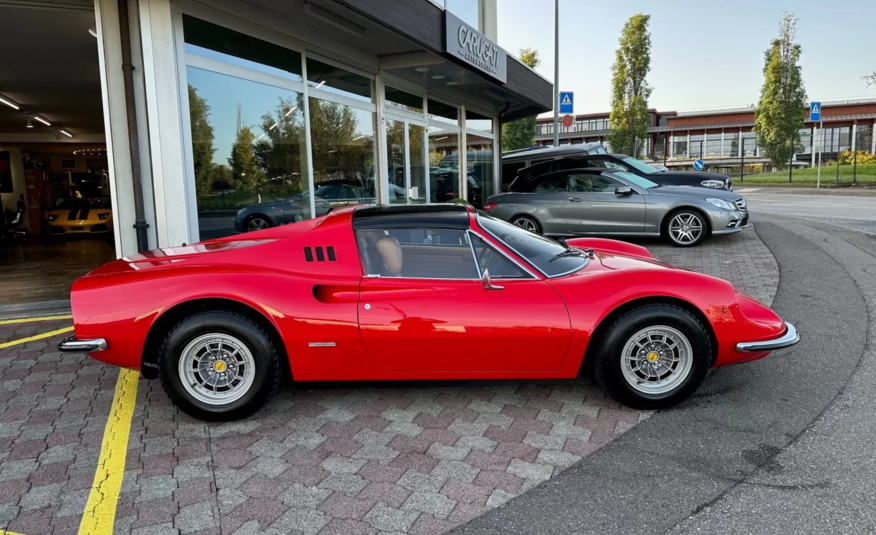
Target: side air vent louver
[[320, 254]]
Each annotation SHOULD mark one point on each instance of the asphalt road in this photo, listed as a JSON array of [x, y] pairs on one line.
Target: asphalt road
[[855, 212], [782, 445]]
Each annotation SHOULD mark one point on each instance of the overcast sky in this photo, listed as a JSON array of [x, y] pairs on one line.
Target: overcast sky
[[705, 53]]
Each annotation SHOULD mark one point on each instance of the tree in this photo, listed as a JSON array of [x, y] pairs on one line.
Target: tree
[[870, 79], [338, 151], [520, 134], [202, 141], [281, 153], [779, 113], [245, 172], [629, 90]]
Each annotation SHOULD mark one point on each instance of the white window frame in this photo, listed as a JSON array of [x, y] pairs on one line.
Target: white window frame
[[304, 87]]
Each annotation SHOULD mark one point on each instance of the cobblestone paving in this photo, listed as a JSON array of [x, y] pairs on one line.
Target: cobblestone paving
[[406, 459], [53, 410]]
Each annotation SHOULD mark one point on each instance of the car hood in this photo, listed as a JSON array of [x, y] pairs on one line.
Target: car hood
[[695, 192], [702, 175]]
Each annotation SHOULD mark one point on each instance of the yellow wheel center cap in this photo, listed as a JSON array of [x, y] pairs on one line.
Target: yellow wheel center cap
[[653, 356], [220, 366]]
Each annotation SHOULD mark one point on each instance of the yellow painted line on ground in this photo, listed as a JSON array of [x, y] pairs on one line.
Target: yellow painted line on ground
[[4, 532], [100, 510], [29, 320], [40, 336]]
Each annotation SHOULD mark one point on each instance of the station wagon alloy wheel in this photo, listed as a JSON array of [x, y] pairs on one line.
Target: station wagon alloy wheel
[[686, 228], [656, 359], [216, 369]]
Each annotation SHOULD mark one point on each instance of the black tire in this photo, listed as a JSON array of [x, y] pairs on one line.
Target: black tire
[[258, 343], [609, 359], [695, 215], [535, 226], [255, 220]]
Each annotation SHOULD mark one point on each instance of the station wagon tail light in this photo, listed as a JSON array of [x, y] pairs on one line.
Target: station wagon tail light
[[489, 206]]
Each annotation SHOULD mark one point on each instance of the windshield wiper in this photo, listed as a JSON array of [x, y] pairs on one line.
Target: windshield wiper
[[571, 252]]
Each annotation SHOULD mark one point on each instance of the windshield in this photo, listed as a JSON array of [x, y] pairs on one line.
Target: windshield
[[635, 179], [640, 165], [543, 253]]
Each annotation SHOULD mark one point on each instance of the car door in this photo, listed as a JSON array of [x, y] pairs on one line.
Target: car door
[[429, 311], [595, 208]]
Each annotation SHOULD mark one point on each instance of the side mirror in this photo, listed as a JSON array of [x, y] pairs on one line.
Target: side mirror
[[623, 190], [488, 284]]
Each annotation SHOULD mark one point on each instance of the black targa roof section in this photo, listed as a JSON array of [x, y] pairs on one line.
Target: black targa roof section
[[428, 215]]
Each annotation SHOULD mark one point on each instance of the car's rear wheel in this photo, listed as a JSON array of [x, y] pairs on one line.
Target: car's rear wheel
[[654, 357], [526, 223], [686, 228], [257, 223], [218, 366]]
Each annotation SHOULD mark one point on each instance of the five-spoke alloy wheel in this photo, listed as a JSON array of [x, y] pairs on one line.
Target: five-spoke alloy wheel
[[527, 223], [257, 223]]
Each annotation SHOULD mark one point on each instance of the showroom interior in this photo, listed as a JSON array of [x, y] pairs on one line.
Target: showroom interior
[[176, 121], [54, 171]]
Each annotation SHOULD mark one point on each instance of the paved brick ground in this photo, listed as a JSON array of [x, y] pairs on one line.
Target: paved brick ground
[[405, 459]]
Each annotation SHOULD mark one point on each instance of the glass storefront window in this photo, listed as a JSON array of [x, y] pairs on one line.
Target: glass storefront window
[[476, 121], [443, 113], [731, 145], [344, 164], [209, 40], [249, 153], [402, 100], [713, 145], [481, 170], [697, 144], [679, 146], [396, 157], [749, 143], [337, 80], [443, 164], [416, 151]]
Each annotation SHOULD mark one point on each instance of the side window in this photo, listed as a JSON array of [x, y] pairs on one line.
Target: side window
[[591, 184], [567, 164], [499, 266], [612, 165], [416, 253], [552, 184]]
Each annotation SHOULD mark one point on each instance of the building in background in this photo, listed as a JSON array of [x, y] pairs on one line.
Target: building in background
[[719, 136]]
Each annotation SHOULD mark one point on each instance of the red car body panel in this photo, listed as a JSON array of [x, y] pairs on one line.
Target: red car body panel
[[413, 329]]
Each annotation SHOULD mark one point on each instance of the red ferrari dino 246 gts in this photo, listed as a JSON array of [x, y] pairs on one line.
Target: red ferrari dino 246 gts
[[412, 292]]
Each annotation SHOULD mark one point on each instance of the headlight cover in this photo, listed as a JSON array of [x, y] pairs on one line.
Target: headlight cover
[[716, 184], [721, 203], [103, 217], [52, 217]]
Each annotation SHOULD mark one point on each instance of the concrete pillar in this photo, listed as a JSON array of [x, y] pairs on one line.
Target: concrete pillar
[[488, 19]]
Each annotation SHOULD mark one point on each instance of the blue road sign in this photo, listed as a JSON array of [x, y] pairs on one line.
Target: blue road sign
[[567, 102], [699, 165], [815, 111]]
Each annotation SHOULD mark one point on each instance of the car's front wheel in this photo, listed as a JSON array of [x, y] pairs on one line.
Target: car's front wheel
[[654, 357], [219, 366], [686, 228], [257, 223]]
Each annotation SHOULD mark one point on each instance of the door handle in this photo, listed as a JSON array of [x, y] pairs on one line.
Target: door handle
[[576, 199]]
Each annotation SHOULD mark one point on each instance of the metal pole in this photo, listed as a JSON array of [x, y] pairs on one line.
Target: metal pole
[[790, 158], [837, 164], [666, 150], [742, 165], [820, 148], [556, 73], [855, 152]]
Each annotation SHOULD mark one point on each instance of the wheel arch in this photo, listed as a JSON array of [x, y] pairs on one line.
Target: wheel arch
[[608, 320], [172, 316], [528, 216], [664, 223]]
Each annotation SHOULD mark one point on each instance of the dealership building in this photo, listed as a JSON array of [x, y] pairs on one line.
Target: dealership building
[[723, 137], [151, 123]]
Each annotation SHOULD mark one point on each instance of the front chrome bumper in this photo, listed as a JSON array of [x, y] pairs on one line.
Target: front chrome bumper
[[788, 339], [71, 343]]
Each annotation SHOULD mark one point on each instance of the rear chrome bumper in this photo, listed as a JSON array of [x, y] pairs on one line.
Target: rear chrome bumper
[[788, 339], [71, 343]]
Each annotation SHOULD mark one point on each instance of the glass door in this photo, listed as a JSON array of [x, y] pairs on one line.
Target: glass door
[[406, 180]]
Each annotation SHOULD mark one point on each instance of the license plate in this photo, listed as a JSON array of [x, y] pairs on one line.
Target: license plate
[[77, 228]]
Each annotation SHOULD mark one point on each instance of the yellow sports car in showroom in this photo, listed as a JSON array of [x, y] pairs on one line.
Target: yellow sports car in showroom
[[79, 216]]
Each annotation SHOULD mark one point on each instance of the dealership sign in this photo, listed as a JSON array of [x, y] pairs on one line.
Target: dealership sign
[[469, 45]]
